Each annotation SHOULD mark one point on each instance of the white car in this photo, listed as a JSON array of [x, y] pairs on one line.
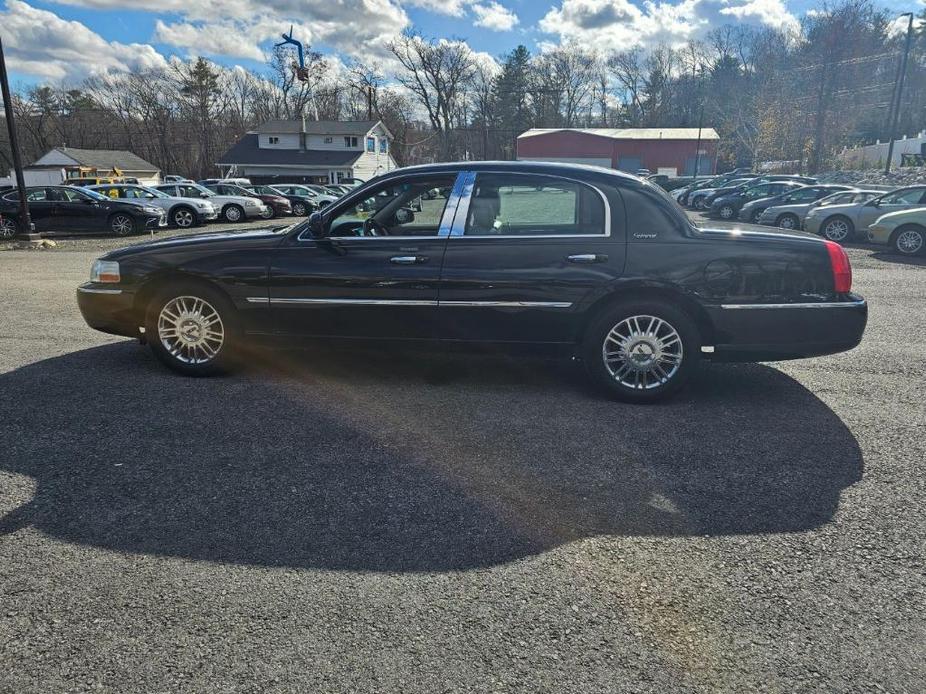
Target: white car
[[232, 208], [181, 212]]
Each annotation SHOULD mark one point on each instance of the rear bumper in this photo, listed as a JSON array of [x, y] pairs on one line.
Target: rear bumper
[[772, 332], [108, 309]]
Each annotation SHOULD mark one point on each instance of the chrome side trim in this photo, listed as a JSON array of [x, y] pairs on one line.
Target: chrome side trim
[[815, 304], [509, 304], [409, 302], [94, 290]]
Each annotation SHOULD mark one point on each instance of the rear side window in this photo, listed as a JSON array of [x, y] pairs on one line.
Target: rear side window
[[646, 215], [519, 205]]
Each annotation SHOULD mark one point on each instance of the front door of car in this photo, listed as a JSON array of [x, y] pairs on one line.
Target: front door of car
[[904, 199], [76, 211], [370, 271], [525, 252]]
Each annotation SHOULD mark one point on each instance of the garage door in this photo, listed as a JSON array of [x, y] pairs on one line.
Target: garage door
[[629, 164]]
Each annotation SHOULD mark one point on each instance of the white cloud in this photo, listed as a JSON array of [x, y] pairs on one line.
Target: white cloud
[[495, 17], [451, 7], [40, 43], [616, 25]]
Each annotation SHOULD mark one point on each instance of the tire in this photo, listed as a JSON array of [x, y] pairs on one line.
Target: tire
[[268, 213], [659, 350], [233, 213], [9, 227], [698, 203], [726, 212], [202, 314], [123, 224], [788, 221], [183, 217], [838, 228], [300, 209], [909, 240]]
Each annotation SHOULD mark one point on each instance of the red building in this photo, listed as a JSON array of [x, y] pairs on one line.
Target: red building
[[661, 150]]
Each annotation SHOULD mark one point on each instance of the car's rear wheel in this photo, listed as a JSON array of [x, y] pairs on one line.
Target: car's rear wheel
[[233, 213], [726, 212], [190, 328], [267, 212], [788, 221], [122, 224], [183, 218], [838, 229], [910, 240], [8, 227], [754, 216], [641, 351]]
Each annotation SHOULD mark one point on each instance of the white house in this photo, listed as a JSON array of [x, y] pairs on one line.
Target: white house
[[62, 163], [301, 151]]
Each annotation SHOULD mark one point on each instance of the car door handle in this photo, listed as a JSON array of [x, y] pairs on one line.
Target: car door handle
[[587, 258], [408, 259]]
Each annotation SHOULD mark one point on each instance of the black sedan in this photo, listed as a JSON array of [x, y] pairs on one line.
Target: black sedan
[[727, 206], [583, 262], [72, 209]]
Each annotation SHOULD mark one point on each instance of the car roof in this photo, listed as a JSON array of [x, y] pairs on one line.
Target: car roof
[[538, 167]]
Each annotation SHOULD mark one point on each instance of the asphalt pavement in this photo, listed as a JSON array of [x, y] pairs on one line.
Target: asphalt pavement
[[393, 523]]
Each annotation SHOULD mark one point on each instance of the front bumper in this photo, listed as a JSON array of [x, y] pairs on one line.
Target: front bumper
[[773, 332], [108, 308], [812, 224], [208, 215], [880, 234], [152, 222]]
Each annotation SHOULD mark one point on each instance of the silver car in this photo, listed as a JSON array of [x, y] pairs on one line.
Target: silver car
[[791, 215], [314, 193], [181, 212], [232, 208], [846, 222]]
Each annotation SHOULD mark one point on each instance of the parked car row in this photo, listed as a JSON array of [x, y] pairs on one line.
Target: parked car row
[[840, 213], [123, 208]]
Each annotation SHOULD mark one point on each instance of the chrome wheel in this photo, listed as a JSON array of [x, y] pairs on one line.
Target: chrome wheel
[[299, 209], [7, 228], [909, 242], [183, 219], [642, 352], [191, 330], [232, 213], [122, 225], [787, 222], [836, 230], [726, 212]]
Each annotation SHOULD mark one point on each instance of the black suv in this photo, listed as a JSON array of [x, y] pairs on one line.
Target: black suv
[[72, 209]]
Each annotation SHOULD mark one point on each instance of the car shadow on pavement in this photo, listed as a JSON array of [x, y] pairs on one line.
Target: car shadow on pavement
[[390, 463], [891, 257]]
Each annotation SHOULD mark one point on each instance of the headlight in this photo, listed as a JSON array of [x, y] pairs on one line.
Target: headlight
[[202, 205], [105, 271]]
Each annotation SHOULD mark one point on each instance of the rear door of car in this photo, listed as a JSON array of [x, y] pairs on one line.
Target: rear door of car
[[524, 253], [41, 208]]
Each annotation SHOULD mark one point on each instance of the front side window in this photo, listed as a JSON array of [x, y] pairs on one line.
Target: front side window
[[401, 208], [910, 196], [803, 195], [517, 205]]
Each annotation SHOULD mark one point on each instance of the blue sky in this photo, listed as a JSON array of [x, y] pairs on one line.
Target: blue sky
[[64, 40]]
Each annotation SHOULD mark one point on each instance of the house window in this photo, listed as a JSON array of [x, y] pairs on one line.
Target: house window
[[273, 140], [329, 140], [350, 141], [371, 144], [383, 145]]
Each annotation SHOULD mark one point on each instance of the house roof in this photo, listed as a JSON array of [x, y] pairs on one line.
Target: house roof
[[631, 133], [107, 159], [246, 151], [318, 127]]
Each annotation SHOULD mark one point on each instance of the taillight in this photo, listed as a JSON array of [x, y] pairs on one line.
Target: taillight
[[842, 269]]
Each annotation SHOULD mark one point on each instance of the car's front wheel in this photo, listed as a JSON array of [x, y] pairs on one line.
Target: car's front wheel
[[910, 240], [726, 212], [233, 213], [300, 209], [838, 229], [183, 218], [641, 351], [190, 327], [267, 212], [122, 224], [8, 227]]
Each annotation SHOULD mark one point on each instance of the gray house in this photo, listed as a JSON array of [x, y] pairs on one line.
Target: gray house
[[311, 152]]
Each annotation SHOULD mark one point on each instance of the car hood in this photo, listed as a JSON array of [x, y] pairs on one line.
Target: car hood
[[215, 239], [757, 201], [224, 199]]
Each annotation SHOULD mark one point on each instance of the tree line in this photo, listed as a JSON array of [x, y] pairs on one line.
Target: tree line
[[785, 95]]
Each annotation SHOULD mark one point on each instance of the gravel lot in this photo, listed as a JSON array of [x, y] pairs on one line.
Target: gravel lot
[[323, 523]]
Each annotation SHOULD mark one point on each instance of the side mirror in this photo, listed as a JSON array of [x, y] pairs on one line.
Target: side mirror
[[404, 216], [316, 225]]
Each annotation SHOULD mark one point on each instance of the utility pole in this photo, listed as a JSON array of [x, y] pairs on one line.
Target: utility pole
[[26, 227], [898, 91], [700, 123]]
